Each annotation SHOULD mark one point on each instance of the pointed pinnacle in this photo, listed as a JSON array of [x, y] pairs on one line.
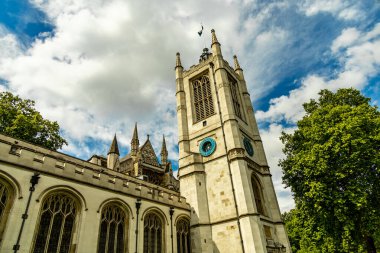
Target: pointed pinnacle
[[236, 62], [163, 148], [214, 39], [114, 147], [135, 134], [178, 60]]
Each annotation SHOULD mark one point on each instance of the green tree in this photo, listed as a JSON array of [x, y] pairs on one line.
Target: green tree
[[19, 119], [294, 227], [332, 167]]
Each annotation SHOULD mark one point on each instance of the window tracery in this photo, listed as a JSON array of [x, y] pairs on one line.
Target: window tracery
[[112, 234], [235, 97], [202, 98], [183, 236], [258, 195], [58, 218], [153, 234], [6, 201]]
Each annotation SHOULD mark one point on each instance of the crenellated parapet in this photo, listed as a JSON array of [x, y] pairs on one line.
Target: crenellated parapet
[[38, 159]]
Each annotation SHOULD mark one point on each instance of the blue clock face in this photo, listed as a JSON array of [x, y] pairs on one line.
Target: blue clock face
[[207, 146], [248, 146]]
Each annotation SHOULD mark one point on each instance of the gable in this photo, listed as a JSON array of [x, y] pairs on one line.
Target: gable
[[148, 155]]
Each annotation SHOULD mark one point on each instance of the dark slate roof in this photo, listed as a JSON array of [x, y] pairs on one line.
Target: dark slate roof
[[114, 147]]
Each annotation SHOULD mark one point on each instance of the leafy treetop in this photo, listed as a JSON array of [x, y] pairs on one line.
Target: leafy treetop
[[19, 119], [332, 166]]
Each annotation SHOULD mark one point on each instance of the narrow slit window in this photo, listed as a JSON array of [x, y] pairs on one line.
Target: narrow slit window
[[203, 103]]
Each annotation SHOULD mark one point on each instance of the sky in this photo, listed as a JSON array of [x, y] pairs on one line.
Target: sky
[[98, 66]]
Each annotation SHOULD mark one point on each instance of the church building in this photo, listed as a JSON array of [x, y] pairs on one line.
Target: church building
[[222, 202]]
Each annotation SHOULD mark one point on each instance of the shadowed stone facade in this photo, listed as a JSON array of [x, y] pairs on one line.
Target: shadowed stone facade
[[92, 187]]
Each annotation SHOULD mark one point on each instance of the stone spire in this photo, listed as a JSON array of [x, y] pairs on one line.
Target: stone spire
[[215, 45], [239, 71], [164, 152], [178, 71], [113, 155], [214, 39], [236, 62], [135, 142], [178, 60], [114, 149]]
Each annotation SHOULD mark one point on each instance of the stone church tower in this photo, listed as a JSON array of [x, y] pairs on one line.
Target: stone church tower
[[223, 171]]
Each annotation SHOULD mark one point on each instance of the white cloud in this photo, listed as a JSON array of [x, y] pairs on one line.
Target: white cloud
[[348, 36], [108, 64], [342, 9], [360, 58], [273, 149], [9, 46], [351, 36]]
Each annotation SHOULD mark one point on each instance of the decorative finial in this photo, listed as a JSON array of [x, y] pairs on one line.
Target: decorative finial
[[147, 136], [214, 39], [178, 60], [236, 62]]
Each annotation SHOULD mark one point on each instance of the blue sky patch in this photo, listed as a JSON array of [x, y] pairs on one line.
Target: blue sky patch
[[24, 20]]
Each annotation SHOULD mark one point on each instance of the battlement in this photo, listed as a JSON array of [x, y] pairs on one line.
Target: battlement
[[49, 162]]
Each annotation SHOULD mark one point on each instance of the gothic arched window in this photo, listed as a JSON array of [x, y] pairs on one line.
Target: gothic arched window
[[153, 234], [6, 201], [203, 104], [57, 223], [258, 195], [183, 236], [113, 230], [235, 97]]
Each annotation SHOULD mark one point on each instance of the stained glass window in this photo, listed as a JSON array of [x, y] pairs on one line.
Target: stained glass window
[[153, 234], [6, 200], [183, 236], [112, 235], [56, 224]]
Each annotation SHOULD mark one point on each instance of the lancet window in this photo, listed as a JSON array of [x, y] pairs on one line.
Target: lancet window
[[258, 195], [203, 103], [153, 234], [113, 230], [183, 236], [235, 94], [6, 201], [57, 223]]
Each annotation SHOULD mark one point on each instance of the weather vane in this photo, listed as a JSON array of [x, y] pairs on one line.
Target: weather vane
[[200, 35], [201, 31]]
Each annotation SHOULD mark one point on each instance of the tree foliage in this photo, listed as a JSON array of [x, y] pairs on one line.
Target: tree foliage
[[332, 166], [19, 119]]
